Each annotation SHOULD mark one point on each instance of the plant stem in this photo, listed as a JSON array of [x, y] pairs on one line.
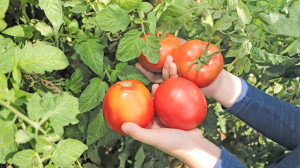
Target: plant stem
[[22, 116], [39, 160], [92, 5], [78, 163]]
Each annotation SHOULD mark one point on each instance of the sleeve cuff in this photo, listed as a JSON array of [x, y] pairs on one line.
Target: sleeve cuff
[[227, 160]]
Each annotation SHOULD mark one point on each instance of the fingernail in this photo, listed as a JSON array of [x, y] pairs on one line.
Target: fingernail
[[126, 128]]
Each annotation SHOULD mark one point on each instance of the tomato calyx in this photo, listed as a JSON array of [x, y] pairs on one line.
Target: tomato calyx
[[203, 59]]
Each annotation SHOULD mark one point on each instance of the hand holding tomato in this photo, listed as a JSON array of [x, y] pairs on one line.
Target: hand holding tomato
[[188, 146]]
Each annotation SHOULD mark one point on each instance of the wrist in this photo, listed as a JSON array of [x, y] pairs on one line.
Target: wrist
[[225, 89], [203, 154]]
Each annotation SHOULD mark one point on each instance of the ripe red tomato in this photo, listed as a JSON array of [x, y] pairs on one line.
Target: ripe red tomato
[[189, 52], [168, 47], [180, 104], [128, 101]]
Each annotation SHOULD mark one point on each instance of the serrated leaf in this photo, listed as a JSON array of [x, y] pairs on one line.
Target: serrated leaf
[[45, 29], [96, 129], [126, 72], [131, 46], [139, 158], [113, 19], [128, 4], [42, 58], [7, 52], [223, 24], [242, 65], [3, 6], [44, 146], [243, 13], [79, 8], [151, 19], [17, 75], [24, 158], [67, 152], [239, 50], [93, 95], [91, 53], [3, 83], [76, 81], [22, 137], [34, 108], [144, 7], [20, 31], [278, 24], [53, 11], [73, 26], [7, 141], [152, 49], [3, 25]]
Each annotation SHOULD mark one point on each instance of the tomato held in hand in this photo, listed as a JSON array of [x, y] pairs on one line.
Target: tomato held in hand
[[128, 101], [189, 52], [169, 45], [180, 104]]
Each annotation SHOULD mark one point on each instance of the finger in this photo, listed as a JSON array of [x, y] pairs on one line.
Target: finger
[[166, 68], [181, 40], [154, 88], [151, 76], [144, 135], [173, 70], [156, 124]]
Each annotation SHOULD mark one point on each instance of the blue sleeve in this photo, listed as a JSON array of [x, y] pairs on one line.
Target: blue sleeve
[[274, 118], [227, 160]]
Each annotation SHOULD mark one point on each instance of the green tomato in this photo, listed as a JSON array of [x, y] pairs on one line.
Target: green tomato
[[128, 4]]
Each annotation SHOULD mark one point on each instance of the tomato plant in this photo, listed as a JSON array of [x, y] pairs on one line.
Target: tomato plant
[[127, 101], [190, 57], [179, 103], [128, 4], [169, 45]]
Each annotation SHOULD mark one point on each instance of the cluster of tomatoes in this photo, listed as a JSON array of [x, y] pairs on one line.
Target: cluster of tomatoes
[[178, 102]]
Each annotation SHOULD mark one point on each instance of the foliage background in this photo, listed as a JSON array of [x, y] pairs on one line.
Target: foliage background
[[58, 58]]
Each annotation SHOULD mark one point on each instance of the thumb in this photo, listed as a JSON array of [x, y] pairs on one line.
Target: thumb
[[138, 133]]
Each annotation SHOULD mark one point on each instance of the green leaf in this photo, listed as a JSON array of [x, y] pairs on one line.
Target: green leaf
[[93, 95], [139, 158], [3, 25], [242, 65], [24, 158], [128, 4], [3, 83], [126, 72], [20, 31], [34, 108], [44, 28], [96, 128], [131, 46], [152, 49], [144, 7], [223, 24], [53, 11], [278, 24], [17, 75], [7, 141], [3, 6], [239, 50], [22, 137], [42, 58], [91, 53], [151, 19], [67, 152], [243, 13], [44, 146], [113, 19], [73, 26], [7, 52], [79, 8], [76, 81]]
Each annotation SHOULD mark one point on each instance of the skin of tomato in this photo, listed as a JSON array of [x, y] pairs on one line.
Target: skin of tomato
[[169, 45], [180, 104], [128, 104], [189, 52]]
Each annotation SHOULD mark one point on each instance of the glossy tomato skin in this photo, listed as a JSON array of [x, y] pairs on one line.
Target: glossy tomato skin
[[128, 101], [189, 52], [169, 45], [180, 104]]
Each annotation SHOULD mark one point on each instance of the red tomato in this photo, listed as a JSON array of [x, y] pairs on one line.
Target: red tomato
[[168, 47], [180, 104], [128, 101], [189, 52]]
